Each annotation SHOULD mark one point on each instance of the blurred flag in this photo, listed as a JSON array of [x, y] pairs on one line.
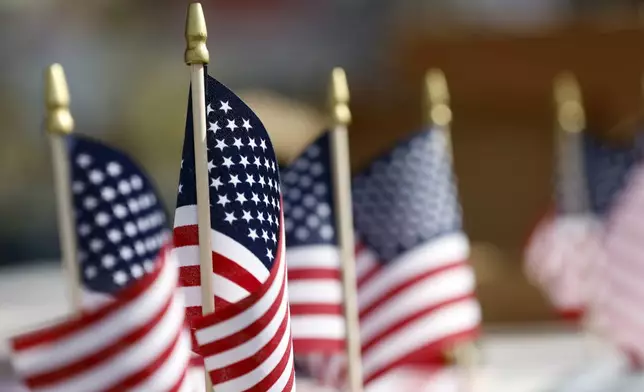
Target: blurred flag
[[246, 343], [136, 342], [563, 249], [120, 222], [621, 292], [312, 253]]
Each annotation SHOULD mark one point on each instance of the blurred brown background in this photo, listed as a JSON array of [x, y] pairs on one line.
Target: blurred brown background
[[124, 62]]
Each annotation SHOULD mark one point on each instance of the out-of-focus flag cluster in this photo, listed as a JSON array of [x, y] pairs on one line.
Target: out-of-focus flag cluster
[[565, 250], [246, 344], [415, 287]]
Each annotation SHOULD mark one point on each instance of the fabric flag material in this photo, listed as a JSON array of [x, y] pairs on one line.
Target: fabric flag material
[[246, 343], [120, 222], [137, 342], [562, 252], [312, 254]]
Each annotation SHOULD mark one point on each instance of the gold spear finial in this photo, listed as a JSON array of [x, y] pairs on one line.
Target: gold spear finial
[[339, 97], [59, 119], [568, 100], [196, 35], [437, 110]]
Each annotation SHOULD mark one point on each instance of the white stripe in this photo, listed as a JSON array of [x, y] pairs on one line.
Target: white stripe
[[281, 382], [366, 261], [248, 316], [224, 288], [187, 255], [256, 375], [78, 345], [166, 376], [93, 300], [313, 256], [441, 252], [251, 346], [129, 361], [315, 291], [318, 327], [442, 323], [221, 244], [429, 292]]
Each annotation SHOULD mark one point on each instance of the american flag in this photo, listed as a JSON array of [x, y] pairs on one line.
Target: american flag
[[120, 222], [561, 253], [312, 254], [246, 343], [137, 342]]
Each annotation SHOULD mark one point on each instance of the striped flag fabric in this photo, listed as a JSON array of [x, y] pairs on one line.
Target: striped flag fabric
[[561, 254], [120, 222], [415, 286], [136, 342], [312, 253], [246, 344]]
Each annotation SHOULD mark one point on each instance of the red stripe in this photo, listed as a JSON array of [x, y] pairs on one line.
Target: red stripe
[[247, 365], [86, 363], [151, 368], [87, 319], [315, 346], [275, 374], [185, 236], [404, 322], [427, 354], [366, 277], [315, 309], [391, 293], [314, 273], [238, 338]]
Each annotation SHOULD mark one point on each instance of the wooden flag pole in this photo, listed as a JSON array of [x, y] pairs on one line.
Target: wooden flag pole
[[59, 123], [437, 113], [197, 56], [339, 106]]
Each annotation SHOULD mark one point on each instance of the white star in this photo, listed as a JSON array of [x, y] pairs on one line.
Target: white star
[[244, 161], [228, 162], [257, 162], [90, 203], [108, 261], [84, 229], [273, 237], [120, 278], [96, 176], [266, 201], [221, 144], [266, 164], [231, 125], [211, 165], [114, 169], [270, 219], [247, 216], [96, 245], [252, 233], [84, 160], [114, 236], [249, 179], [223, 200], [246, 124], [214, 127], [182, 163], [180, 187], [137, 182], [216, 182], [120, 211], [269, 254], [255, 198], [262, 144], [79, 187], [137, 271], [261, 181], [251, 143], [225, 106], [90, 272], [130, 229], [238, 143], [102, 219], [234, 179], [230, 218], [264, 235], [272, 166], [124, 187], [126, 253], [260, 217], [209, 110], [241, 198]]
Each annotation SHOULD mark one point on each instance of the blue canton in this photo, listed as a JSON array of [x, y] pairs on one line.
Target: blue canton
[[408, 196], [243, 173], [308, 197], [120, 221]]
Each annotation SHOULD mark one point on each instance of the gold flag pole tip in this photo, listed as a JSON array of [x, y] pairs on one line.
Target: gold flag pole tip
[[196, 35], [437, 96], [59, 119], [568, 98], [339, 96]]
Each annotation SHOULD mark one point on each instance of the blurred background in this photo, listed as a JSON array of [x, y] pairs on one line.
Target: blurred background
[[124, 63]]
